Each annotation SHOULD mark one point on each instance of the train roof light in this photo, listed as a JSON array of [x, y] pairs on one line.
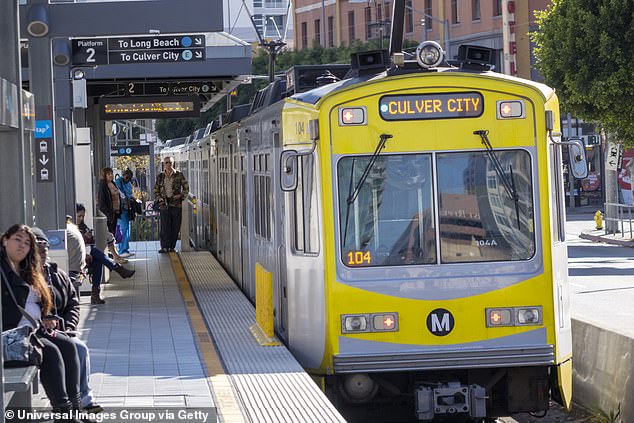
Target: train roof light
[[429, 54]]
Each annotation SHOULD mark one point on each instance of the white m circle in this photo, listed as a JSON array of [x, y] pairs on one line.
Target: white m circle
[[440, 326]]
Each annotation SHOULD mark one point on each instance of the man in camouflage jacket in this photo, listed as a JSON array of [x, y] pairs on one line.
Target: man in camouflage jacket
[[170, 189]]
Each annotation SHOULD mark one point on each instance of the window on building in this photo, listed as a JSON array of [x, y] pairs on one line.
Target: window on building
[[429, 11], [497, 7], [379, 13], [475, 10], [388, 14], [455, 12], [409, 17], [331, 31], [351, 35], [304, 35], [368, 23], [318, 31]]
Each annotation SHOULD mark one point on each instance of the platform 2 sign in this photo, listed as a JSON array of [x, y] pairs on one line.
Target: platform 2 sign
[[124, 50], [431, 106]]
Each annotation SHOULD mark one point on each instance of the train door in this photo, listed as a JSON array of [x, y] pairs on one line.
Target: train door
[[278, 198], [236, 232], [244, 219], [224, 220], [213, 197]]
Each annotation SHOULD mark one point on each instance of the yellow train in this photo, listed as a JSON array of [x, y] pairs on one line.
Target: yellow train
[[412, 220]]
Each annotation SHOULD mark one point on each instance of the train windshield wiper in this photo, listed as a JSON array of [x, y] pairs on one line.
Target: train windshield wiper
[[353, 194], [507, 182]]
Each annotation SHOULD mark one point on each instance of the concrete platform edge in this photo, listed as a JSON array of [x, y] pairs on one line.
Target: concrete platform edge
[[603, 369]]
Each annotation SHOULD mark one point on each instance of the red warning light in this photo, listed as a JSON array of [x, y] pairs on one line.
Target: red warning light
[[512, 109], [352, 116], [388, 322]]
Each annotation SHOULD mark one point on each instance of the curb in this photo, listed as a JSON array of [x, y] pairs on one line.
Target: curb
[[599, 238]]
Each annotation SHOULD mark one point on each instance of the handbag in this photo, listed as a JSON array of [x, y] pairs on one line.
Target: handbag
[[20, 346]]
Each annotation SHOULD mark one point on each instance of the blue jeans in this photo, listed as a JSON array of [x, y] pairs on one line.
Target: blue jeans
[[84, 371], [99, 260], [124, 225]]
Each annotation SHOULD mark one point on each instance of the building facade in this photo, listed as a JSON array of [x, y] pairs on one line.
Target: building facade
[[450, 22]]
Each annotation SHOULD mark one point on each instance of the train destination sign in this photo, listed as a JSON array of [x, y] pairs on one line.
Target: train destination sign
[[149, 107], [431, 106], [121, 50]]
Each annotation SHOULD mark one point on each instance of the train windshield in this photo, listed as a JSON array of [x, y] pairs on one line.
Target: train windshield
[[479, 220], [392, 221]]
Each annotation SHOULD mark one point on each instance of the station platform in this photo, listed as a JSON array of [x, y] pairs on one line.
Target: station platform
[[167, 340]]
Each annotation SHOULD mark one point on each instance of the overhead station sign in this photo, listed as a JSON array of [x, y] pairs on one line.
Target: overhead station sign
[[149, 107], [124, 50]]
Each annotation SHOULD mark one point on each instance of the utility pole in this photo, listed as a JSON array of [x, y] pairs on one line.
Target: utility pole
[[611, 183]]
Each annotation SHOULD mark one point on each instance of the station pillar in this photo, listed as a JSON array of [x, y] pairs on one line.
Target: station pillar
[[16, 187]]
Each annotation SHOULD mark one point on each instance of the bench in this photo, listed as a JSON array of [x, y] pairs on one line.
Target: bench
[[20, 383]]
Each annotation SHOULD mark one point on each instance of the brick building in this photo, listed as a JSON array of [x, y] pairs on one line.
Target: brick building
[[450, 22]]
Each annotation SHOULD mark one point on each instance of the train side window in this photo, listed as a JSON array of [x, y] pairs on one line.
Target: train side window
[[556, 184], [304, 215], [257, 204]]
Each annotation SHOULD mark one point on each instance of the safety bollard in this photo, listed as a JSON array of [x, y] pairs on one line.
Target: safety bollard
[[598, 219]]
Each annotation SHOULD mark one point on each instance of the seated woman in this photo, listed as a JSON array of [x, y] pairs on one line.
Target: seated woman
[[22, 273]]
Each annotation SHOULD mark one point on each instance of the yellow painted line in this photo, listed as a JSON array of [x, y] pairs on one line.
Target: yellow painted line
[[225, 397]]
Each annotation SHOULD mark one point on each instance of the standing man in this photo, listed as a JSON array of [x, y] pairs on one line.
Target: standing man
[[170, 190]]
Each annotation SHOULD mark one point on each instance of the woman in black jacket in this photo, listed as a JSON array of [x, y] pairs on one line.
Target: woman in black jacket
[[21, 271], [109, 199]]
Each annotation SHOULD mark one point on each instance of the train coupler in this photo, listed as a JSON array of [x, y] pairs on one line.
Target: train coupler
[[450, 398]]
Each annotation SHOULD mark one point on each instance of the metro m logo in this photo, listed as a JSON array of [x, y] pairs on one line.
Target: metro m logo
[[440, 322]]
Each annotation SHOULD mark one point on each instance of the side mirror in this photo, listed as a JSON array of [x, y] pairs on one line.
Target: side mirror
[[577, 157], [288, 170]]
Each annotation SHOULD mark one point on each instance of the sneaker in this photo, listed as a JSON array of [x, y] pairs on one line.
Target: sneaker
[[131, 253], [164, 250]]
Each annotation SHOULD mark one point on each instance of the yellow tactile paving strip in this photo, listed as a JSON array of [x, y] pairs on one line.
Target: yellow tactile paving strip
[[224, 394]]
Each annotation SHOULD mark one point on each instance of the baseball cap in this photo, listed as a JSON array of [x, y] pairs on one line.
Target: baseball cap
[[40, 235]]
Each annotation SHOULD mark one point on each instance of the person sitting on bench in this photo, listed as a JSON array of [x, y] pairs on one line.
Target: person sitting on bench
[[24, 286], [66, 309]]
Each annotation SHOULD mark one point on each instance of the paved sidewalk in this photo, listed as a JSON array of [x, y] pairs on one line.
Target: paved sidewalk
[[583, 220], [141, 342]]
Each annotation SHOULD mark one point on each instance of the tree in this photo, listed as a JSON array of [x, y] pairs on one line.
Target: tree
[[585, 50]]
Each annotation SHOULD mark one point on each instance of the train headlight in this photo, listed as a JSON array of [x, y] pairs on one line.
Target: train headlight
[[429, 54], [528, 316], [516, 316], [355, 323], [499, 317]]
